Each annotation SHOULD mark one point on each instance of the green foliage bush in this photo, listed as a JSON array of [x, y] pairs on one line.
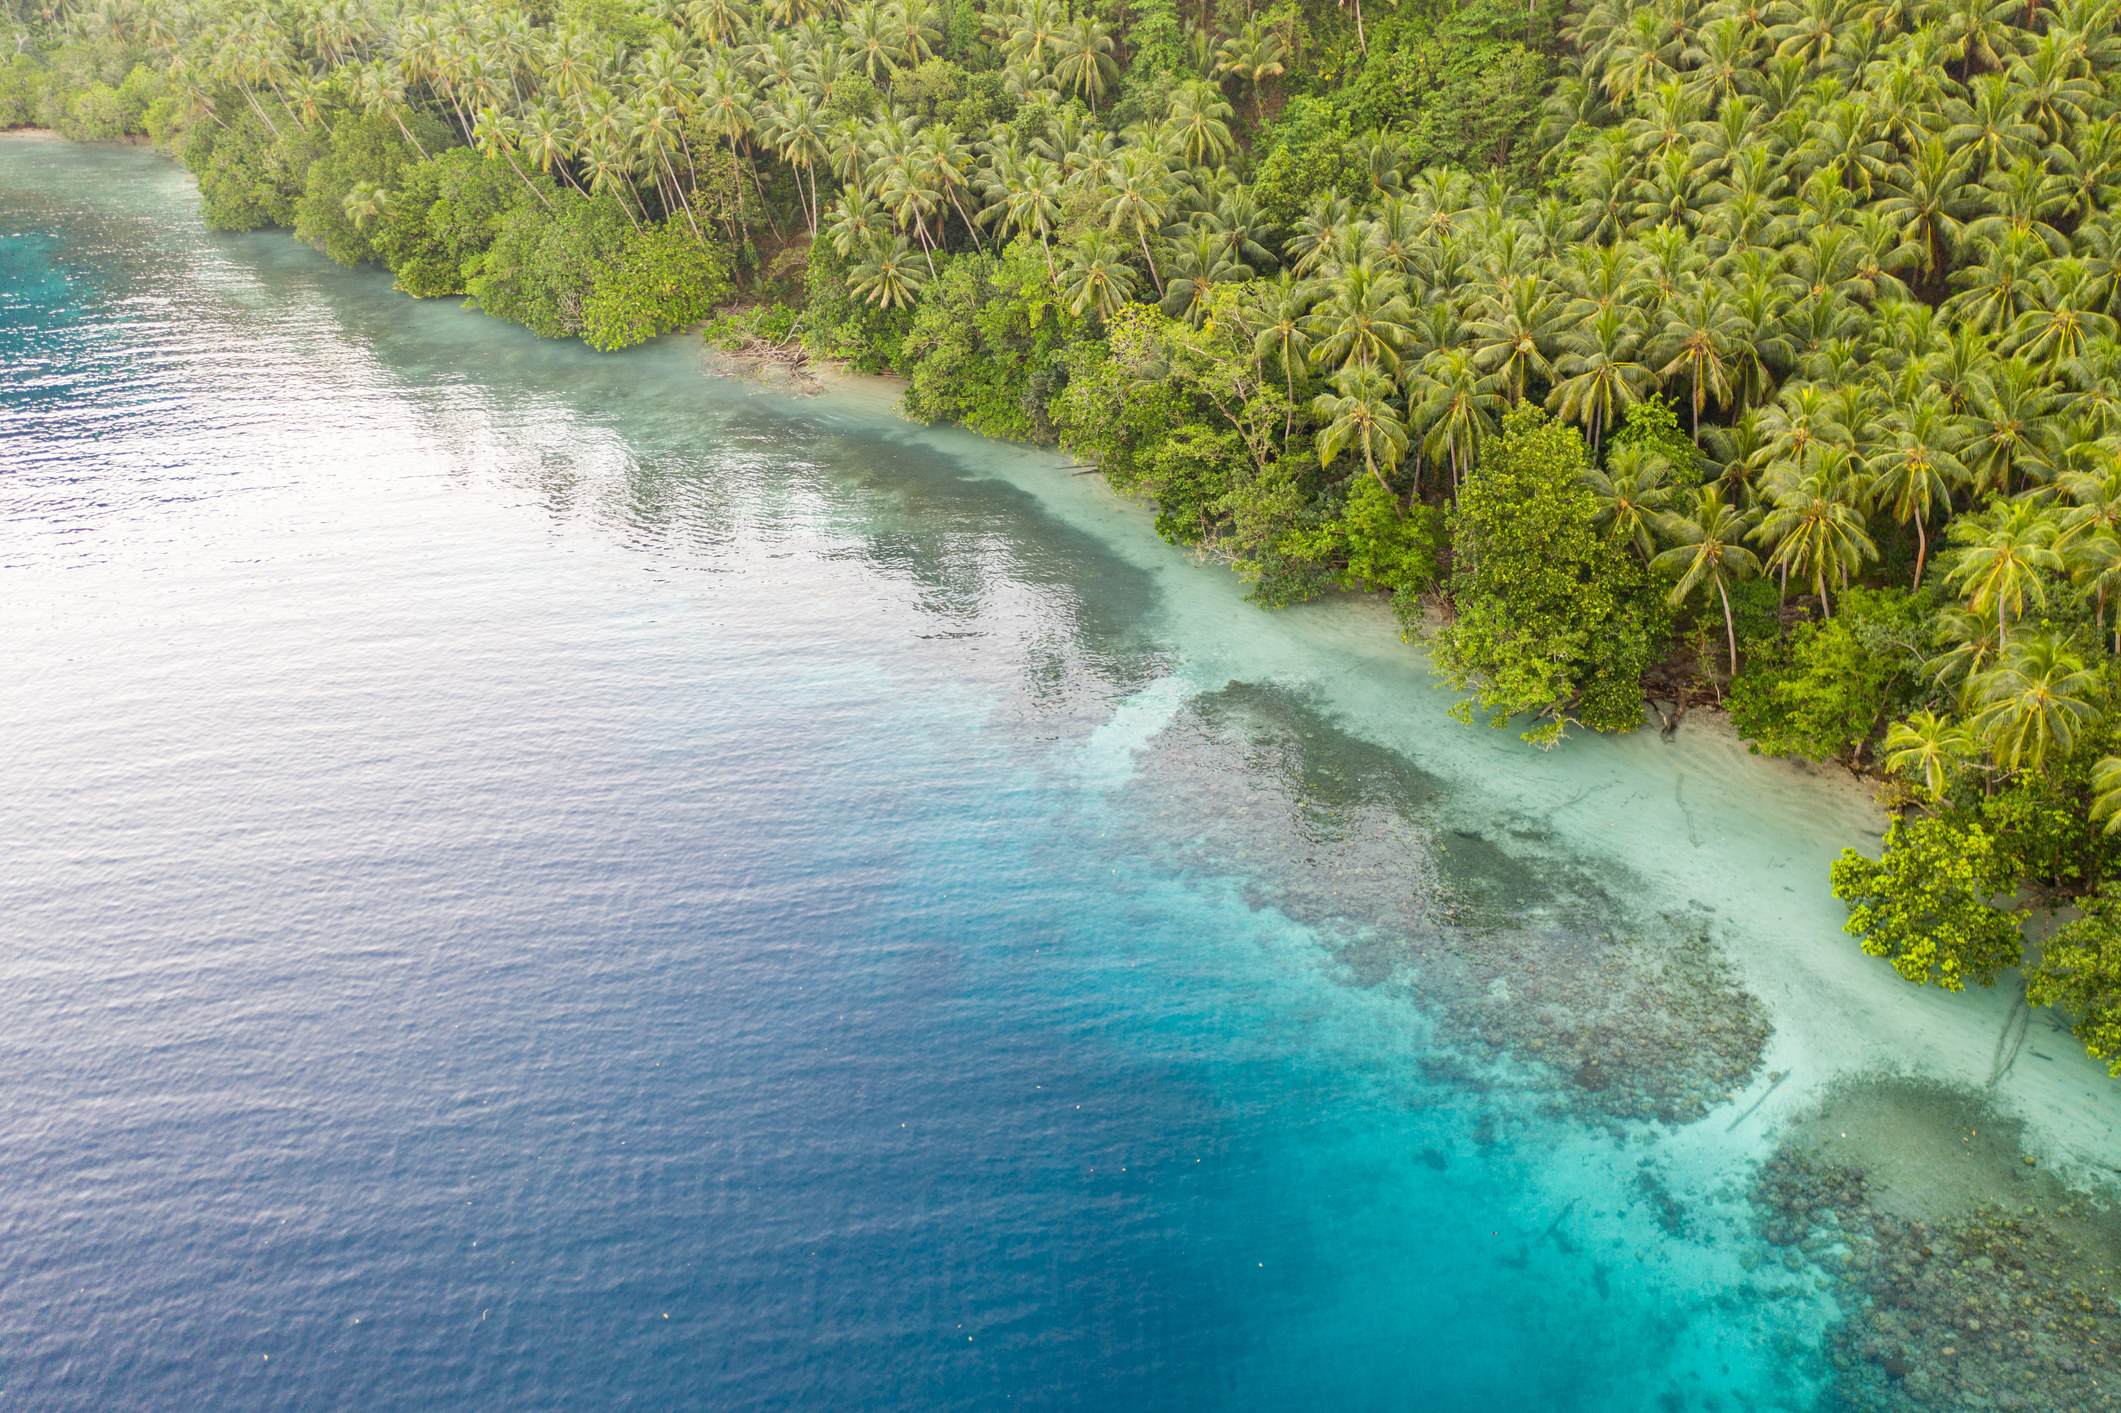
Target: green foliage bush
[[362, 149], [1106, 420], [984, 347], [838, 325], [1374, 543], [582, 268], [774, 322], [97, 114], [444, 214], [250, 178], [2079, 973], [664, 278], [1830, 688], [2043, 822], [1308, 158], [21, 91], [543, 264], [1553, 620], [1653, 424], [1925, 906]]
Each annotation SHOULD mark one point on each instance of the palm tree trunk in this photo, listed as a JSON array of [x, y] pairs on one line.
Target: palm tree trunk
[[259, 109], [679, 191], [1730, 626], [1922, 548], [920, 228], [394, 117], [970, 229], [1142, 232], [509, 157], [752, 162], [1377, 477]]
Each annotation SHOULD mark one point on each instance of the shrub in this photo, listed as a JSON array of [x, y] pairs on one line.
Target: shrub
[[95, 114], [249, 178], [21, 91], [542, 266], [1925, 908], [362, 150], [666, 277], [1553, 620], [444, 214], [1832, 686], [984, 346], [582, 267]]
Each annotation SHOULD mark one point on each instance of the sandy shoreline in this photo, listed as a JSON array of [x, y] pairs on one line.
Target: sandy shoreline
[[1840, 1017]]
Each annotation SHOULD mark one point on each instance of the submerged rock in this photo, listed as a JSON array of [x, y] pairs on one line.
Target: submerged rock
[[1986, 1307], [1520, 958]]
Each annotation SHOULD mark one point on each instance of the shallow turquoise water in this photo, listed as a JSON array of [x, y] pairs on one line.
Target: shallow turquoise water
[[548, 881]]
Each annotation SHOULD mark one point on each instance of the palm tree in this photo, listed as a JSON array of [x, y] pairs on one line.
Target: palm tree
[[867, 39], [1083, 59], [1817, 534], [2064, 320], [726, 112], [1919, 469], [2035, 701], [1929, 746], [1516, 332], [1199, 263], [2010, 423], [1458, 404], [1284, 333], [2106, 792], [494, 136], [1709, 548], [366, 202], [1598, 379], [1097, 276], [1927, 199], [1255, 55], [799, 135], [857, 224], [1632, 493], [378, 90], [1138, 196], [1363, 321], [2095, 568], [1361, 39], [2005, 552], [1026, 196], [943, 161], [1698, 340], [888, 275], [1360, 412], [1199, 117], [1990, 126]]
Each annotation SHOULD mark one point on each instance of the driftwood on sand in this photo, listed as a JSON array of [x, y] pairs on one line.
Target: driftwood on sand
[[781, 361]]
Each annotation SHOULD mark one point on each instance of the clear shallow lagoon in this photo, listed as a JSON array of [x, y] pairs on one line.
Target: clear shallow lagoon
[[538, 880]]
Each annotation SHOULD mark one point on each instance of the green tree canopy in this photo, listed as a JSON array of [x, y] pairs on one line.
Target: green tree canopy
[[1554, 620]]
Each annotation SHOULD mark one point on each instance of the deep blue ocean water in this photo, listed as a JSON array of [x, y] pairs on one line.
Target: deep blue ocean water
[[535, 880]]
